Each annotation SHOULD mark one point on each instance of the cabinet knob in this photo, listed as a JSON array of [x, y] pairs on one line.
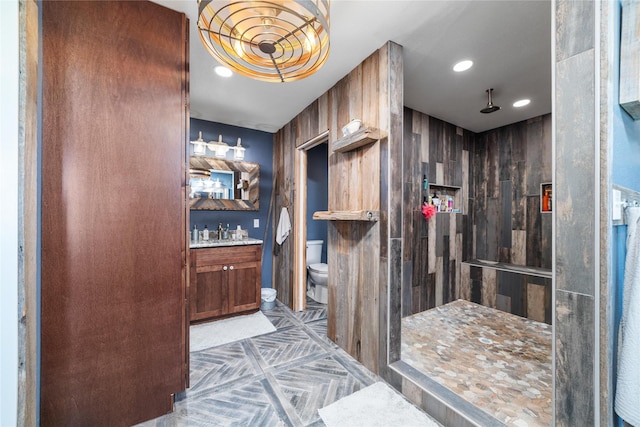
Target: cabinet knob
[[224, 268], [231, 268]]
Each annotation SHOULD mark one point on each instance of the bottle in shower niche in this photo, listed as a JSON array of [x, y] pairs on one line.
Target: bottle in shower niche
[[205, 234], [436, 202], [194, 234]]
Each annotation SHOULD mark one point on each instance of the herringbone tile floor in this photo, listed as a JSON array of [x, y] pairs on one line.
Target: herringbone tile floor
[[277, 379]]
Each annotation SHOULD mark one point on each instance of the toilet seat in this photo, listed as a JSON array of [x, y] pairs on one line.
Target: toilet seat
[[319, 268]]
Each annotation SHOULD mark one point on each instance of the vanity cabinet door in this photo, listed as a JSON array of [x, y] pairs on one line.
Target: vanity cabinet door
[[209, 296], [244, 286]]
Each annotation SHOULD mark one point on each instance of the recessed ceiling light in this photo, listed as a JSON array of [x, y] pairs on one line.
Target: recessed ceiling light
[[463, 65], [521, 103], [222, 71]]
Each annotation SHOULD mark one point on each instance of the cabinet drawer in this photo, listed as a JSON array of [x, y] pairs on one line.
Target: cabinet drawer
[[228, 254]]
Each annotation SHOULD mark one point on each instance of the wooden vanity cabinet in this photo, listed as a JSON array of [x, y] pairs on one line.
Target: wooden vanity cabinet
[[224, 281]]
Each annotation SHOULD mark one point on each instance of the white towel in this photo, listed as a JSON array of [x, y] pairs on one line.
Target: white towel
[[628, 381], [284, 226]]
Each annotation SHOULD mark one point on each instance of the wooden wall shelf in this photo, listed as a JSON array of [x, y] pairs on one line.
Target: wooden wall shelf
[[357, 139], [371, 216]]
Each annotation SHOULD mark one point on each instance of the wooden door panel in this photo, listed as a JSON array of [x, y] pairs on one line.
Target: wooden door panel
[[211, 297], [113, 211], [244, 287]]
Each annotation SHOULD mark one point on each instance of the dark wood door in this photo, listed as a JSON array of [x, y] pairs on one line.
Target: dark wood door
[[114, 126]]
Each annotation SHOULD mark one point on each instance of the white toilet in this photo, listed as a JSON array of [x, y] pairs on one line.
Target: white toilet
[[316, 272]]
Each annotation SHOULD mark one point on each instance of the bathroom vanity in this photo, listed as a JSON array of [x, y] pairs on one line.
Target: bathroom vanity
[[225, 278]]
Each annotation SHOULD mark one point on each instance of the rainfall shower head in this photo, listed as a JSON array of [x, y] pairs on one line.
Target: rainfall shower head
[[490, 108]]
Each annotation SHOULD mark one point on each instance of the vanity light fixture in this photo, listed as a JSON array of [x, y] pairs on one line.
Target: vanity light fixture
[[463, 65], [199, 146], [273, 41], [521, 103], [239, 151], [218, 147]]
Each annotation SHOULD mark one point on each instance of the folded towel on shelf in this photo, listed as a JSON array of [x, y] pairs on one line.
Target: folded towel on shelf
[[627, 403], [284, 226]]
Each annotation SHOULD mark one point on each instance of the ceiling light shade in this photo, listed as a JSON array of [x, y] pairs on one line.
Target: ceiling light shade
[[274, 41]]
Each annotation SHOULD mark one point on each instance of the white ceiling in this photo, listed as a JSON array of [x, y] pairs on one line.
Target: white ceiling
[[509, 42]]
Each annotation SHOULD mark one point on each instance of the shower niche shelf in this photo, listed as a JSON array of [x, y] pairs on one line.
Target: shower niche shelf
[[357, 139], [370, 216], [447, 190]]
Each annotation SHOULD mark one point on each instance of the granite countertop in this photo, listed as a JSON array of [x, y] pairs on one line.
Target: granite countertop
[[218, 243]]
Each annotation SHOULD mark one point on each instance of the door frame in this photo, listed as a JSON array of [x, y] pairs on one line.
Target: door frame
[[300, 220]]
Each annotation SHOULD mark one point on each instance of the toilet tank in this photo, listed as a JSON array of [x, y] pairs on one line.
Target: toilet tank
[[314, 251]]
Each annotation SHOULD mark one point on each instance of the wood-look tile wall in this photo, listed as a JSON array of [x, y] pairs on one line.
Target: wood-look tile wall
[[509, 164], [498, 174], [434, 249], [578, 98], [516, 293], [363, 257]]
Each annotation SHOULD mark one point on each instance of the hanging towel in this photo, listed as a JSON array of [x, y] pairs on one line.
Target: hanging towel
[[284, 226], [628, 381]]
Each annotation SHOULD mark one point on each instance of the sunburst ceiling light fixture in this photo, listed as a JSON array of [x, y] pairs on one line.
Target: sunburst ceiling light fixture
[[273, 41]]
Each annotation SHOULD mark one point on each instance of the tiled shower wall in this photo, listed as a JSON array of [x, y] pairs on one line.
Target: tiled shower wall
[[498, 173], [434, 249], [509, 165], [516, 293]]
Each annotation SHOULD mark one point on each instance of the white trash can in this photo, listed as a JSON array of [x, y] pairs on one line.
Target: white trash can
[[268, 299]]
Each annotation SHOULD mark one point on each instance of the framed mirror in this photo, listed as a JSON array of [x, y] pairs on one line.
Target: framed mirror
[[219, 184]]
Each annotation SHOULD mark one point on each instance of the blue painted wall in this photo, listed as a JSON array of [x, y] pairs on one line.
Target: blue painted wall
[[626, 131], [626, 173], [317, 193], [259, 149]]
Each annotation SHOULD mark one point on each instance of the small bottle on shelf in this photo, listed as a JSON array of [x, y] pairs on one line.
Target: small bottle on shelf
[[436, 202], [205, 234], [194, 234]]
